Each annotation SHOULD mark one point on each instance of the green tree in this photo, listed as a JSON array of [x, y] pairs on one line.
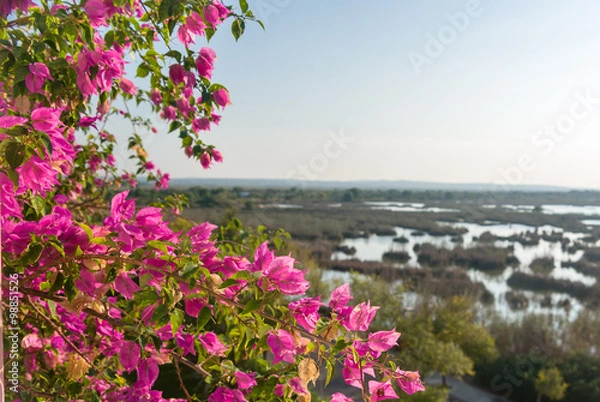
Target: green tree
[[549, 382]]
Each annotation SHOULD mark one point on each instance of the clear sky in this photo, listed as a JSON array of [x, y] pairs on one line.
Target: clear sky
[[441, 90]]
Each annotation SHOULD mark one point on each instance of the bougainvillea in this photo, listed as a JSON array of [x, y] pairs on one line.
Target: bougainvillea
[[113, 302]]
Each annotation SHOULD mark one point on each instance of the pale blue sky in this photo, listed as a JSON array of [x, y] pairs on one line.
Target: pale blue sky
[[475, 113]]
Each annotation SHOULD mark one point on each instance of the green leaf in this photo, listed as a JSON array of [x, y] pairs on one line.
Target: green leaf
[[174, 54], [14, 154], [252, 305], [58, 282], [243, 5], [176, 320], [228, 283], [242, 275], [157, 342], [109, 38], [165, 9], [146, 297], [203, 318], [160, 316], [209, 33], [31, 254], [330, 371], [339, 345], [158, 245], [189, 270], [69, 288], [39, 205], [142, 71], [21, 73], [174, 126], [237, 28], [47, 143], [52, 307]]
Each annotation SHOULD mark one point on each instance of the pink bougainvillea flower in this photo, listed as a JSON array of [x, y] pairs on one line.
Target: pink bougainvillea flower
[[205, 160], [87, 282], [211, 14], [382, 341], [127, 86], [282, 276], [193, 306], [155, 96], [11, 121], [244, 380], [297, 386], [9, 205], [262, 258], [169, 113], [7, 6], [186, 342], [212, 344], [354, 373], [360, 317], [147, 372], [306, 312], [32, 342], [381, 391], [195, 24], [223, 394], [222, 97], [340, 296], [339, 397], [126, 286], [96, 12], [223, 11], [409, 381], [176, 73], [129, 355], [38, 74], [88, 121], [85, 85], [46, 119], [202, 124], [163, 182], [217, 157], [282, 345], [121, 209], [184, 35], [205, 62], [37, 175]]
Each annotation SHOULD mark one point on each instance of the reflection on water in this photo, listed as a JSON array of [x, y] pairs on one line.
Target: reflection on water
[[406, 207], [552, 209], [282, 206], [372, 249], [572, 209], [496, 284]]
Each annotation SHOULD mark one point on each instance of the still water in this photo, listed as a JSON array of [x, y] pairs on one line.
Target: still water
[[372, 249]]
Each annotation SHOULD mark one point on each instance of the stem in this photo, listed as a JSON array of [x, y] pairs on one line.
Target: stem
[[59, 331], [181, 384]]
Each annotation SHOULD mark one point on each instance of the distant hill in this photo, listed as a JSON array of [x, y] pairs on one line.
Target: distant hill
[[362, 184]]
